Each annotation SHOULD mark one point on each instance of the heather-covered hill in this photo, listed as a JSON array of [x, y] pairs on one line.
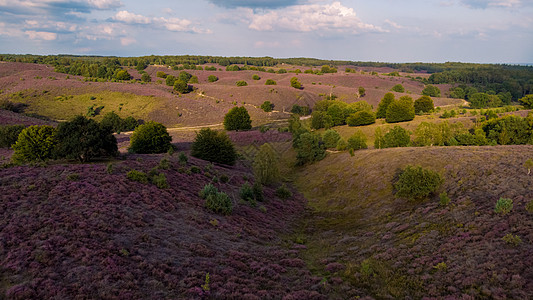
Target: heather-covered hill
[[366, 241], [86, 231]]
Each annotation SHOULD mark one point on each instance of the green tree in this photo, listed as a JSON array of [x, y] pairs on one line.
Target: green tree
[[320, 119], [181, 87], [151, 137], [336, 112], [384, 105], [416, 183], [112, 121], [331, 138], [34, 143], [398, 88], [267, 106], [212, 78], [214, 146], [357, 141], [122, 75], [361, 118], [169, 80], [428, 134], [256, 77], [9, 135], [527, 101], [362, 91], [458, 93], [184, 76], [424, 104], [270, 82], [83, 139], [309, 149], [241, 83], [266, 165], [161, 74], [508, 130], [379, 138], [193, 79], [237, 119], [295, 83], [401, 110], [431, 91], [396, 137]]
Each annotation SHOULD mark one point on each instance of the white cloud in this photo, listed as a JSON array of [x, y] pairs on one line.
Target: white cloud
[[262, 44], [131, 18], [126, 41], [105, 4], [41, 35], [312, 17], [394, 24]]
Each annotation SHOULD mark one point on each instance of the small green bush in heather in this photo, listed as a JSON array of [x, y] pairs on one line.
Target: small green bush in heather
[[396, 137], [398, 88], [9, 135], [160, 180], [415, 182], [207, 190], [164, 164], [503, 206], [182, 158], [511, 239], [267, 106], [283, 192], [257, 188], [256, 77], [137, 176], [247, 193], [265, 165], [195, 170], [151, 137], [357, 141], [109, 168], [270, 82], [219, 203], [224, 178], [237, 118], [212, 78], [331, 138], [444, 199], [241, 83]]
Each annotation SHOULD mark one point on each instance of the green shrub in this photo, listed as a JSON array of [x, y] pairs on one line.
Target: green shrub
[[431, 90], [444, 199], [146, 78], [265, 165], [361, 118], [341, 145], [73, 177], [151, 137], [415, 182], [508, 130], [309, 149], [195, 170], [270, 82], [283, 192], [193, 79], [331, 138], [511, 239], [398, 88], [34, 143], [161, 74], [256, 77], [219, 203], [503, 206], [214, 146], [384, 105], [182, 87], [295, 83], [109, 168], [267, 106], [241, 83], [137, 176], [357, 141], [401, 110], [527, 101], [164, 164], [224, 178], [9, 135], [237, 119], [423, 104], [207, 190], [396, 137], [362, 91], [246, 193], [257, 188], [182, 158], [160, 180], [212, 78], [170, 80]]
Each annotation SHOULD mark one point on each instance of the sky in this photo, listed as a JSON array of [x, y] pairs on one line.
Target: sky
[[484, 31]]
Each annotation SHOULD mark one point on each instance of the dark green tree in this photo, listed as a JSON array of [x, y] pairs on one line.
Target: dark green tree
[[361, 118], [184, 76], [169, 80], [9, 135], [237, 119], [384, 105], [398, 88], [431, 91], [309, 149], [84, 139], [181, 87], [151, 137], [212, 78], [295, 83], [122, 75], [145, 77], [396, 137], [35, 143], [214, 146], [401, 110], [527, 101], [357, 141], [416, 183], [267, 106], [424, 104], [331, 138]]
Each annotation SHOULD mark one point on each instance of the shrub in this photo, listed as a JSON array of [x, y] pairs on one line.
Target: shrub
[[341, 145], [257, 188], [185, 76], [283, 192], [295, 83], [401, 110], [137, 176], [241, 83], [11, 106], [423, 104], [256, 77], [415, 182], [207, 190], [193, 79], [151, 137], [169, 80], [508, 130], [160, 180], [146, 78], [267, 106], [361, 118], [129, 124], [511, 239], [181, 87], [34, 143], [161, 74], [396, 137], [237, 119], [357, 141], [300, 110], [527, 101], [330, 138], [9, 135], [384, 105], [444, 199], [265, 165], [219, 203], [528, 165], [431, 90], [224, 178], [309, 149], [270, 82], [362, 91], [398, 88], [246, 193], [320, 119], [195, 170], [122, 75], [212, 78], [214, 146], [182, 158], [503, 206]]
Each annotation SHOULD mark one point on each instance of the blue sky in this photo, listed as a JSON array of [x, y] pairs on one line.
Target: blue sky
[[491, 31]]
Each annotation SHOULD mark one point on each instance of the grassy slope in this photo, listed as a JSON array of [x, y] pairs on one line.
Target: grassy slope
[[366, 241]]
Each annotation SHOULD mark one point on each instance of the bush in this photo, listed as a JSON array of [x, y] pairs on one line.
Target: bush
[[398, 88], [146, 78], [256, 77], [193, 79], [384, 105], [161, 74], [320, 119], [265, 165], [207, 190], [341, 145], [508, 130], [415, 182], [137, 176], [283, 192], [527, 101], [117, 124], [181, 87], [401, 110], [214, 146], [34, 143], [396, 137], [11, 106], [444, 199], [246, 193], [300, 110], [151, 137], [237, 119], [241, 83], [309, 149], [185, 77], [169, 80], [511, 239], [122, 75], [503, 206], [362, 91], [330, 138], [361, 118], [357, 141], [224, 178], [431, 90], [160, 180], [84, 139], [212, 78], [295, 83], [270, 82], [267, 106], [9, 135], [423, 104], [219, 203]]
